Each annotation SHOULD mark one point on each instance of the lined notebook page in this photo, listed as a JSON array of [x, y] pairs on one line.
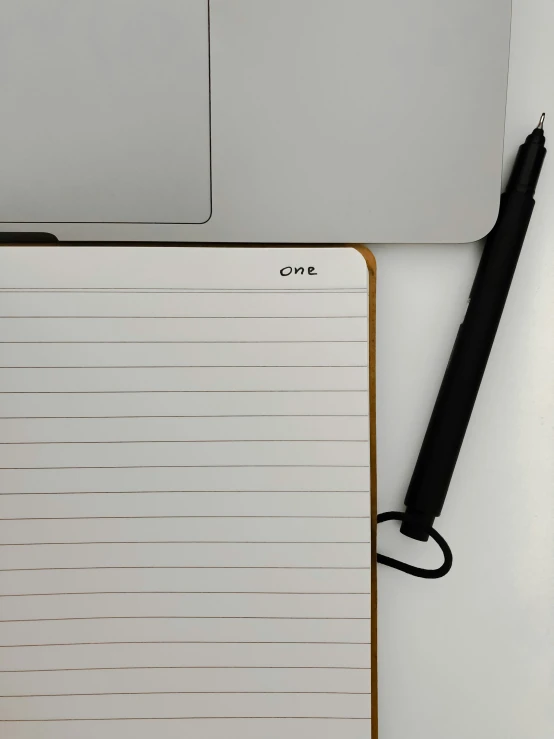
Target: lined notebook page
[[185, 503]]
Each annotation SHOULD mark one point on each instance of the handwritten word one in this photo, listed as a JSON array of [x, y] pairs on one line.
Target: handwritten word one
[[288, 271]]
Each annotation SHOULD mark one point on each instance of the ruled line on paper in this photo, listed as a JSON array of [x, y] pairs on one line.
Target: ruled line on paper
[[185, 291], [297, 341], [113, 643], [196, 466], [231, 415], [195, 667], [184, 492], [258, 543], [173, 567], [148, 392], [191, 441], [186, 618], [193, 318], [190, 718], [190, 366], [172, 517], [181, 592], [196, 692]]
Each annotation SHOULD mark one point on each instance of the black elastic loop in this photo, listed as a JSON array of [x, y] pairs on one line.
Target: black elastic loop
[[410, 569]]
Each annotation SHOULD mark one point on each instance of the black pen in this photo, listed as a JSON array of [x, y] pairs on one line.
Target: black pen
[[459, 389]]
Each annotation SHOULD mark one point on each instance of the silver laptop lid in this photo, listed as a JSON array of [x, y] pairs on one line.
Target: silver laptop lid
[[252, 120]]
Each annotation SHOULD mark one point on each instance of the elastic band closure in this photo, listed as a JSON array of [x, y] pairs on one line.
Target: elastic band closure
[[410, 569]]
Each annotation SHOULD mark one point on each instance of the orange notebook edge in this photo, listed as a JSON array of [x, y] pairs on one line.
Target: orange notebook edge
[[372, 270]]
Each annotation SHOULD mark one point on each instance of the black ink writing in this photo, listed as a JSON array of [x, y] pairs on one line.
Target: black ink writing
[[288, 271]]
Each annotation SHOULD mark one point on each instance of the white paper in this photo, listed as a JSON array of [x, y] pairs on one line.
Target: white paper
[[184, 508]]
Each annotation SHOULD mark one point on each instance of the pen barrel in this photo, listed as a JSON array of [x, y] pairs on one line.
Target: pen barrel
[[458, 393]]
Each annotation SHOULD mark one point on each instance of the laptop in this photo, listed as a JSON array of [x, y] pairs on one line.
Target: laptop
[[252, 120]]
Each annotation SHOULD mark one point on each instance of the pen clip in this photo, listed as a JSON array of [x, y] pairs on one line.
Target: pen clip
[[443, 570]]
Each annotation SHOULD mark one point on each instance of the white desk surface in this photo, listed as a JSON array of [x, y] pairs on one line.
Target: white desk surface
[[472, 656]]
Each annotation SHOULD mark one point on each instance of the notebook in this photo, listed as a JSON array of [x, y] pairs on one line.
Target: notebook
[[187, 507]]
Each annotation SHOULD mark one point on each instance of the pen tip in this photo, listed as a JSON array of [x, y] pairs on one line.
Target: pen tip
[[541, 122]]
